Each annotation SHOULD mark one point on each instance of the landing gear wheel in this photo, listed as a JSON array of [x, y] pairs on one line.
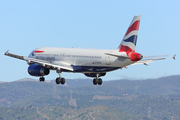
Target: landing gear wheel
[[99, 81], [95, 81], [41, 79], [62, 80], [58, 80]]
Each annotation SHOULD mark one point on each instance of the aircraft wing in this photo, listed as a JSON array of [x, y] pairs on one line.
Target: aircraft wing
[[152, 59], [44, 63]]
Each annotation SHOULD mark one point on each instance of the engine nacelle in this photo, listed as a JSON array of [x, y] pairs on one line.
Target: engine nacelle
[[37, 70], [135, 56], [94, 74]]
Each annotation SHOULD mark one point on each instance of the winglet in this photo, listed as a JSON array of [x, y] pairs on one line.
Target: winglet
[[174, 56], [6, 53]]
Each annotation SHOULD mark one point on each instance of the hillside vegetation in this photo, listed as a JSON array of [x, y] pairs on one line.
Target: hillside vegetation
[[137, 99], [65, 113]]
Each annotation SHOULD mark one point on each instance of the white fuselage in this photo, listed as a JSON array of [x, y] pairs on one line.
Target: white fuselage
[[82, 60]]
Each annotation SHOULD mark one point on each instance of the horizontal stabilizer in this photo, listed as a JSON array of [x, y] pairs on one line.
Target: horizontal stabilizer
[[118, 55]]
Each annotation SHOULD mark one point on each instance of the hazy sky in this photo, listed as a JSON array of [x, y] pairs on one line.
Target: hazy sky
[[99, 24]]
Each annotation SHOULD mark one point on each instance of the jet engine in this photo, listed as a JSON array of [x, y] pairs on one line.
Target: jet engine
[[37, 70], [94, 74], [135, 56]]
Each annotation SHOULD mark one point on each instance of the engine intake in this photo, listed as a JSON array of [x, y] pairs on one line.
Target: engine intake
[[37, 70]]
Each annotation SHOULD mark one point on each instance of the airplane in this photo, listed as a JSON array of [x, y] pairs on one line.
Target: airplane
[[91, 62]]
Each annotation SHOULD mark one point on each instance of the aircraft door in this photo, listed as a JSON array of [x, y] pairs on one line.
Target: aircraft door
[[107, 60]]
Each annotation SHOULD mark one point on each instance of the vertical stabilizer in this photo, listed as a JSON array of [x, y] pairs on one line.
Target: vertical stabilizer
[[128, 43]]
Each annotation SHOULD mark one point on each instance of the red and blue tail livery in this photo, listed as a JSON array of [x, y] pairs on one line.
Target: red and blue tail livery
[[128, 43]]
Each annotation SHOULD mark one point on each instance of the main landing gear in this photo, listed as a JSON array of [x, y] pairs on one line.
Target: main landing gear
[[59, 79], [97, 80]]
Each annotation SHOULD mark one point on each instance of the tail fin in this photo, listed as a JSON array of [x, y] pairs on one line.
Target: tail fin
[[128, 43]]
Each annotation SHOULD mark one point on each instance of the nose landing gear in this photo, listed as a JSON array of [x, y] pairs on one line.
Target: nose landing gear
[[42, 79]]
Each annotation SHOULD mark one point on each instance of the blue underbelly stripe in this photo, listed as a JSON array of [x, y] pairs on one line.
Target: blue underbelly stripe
[[91, 69]]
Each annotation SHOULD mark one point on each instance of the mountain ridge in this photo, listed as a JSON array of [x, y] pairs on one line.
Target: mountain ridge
[[132, 97], [81, 82]]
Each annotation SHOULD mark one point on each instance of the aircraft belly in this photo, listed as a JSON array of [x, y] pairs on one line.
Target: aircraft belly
[[92, 69]]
